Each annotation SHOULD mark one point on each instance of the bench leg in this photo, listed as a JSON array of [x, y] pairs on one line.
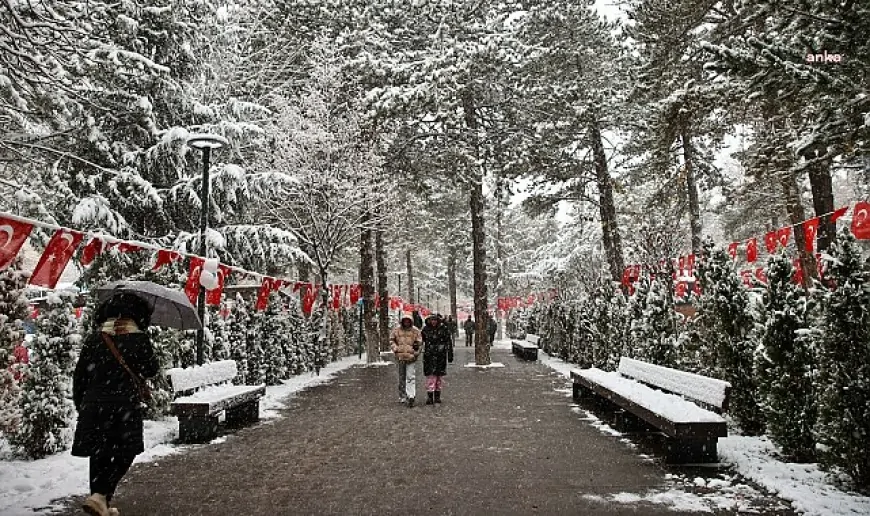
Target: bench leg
[[625, 421], [198, 429], [581, 392], [243, 414], [691, 451]]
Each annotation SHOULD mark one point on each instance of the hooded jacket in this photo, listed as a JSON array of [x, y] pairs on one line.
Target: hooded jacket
[[406, 343]]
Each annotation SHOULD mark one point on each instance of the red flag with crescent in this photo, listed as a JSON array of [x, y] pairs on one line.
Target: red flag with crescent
[[191, 288], [57, 254], [861, 221], [751, 250], [838, 213], [13, 234], [732, 250], [309, 297], [355, 294], [165, 257], [213, 296], [770, 242], [810, 228], [266, 287], [783, 235], [91, 250]]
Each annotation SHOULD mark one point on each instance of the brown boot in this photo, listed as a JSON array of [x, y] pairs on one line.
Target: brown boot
[[95, 505]]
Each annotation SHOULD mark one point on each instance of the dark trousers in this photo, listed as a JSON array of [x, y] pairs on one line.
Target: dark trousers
[[107, 470], [468, 337]]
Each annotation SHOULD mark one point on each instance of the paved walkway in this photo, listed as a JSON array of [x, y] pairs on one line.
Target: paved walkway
[[503, 442]]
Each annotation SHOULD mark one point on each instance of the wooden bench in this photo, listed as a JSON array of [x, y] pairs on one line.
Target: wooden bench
[[686, 407], [204, 393], [526, 349]]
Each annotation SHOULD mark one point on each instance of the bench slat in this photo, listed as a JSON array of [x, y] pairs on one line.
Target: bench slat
[[217, 399], [533, 339], [200, 376], [709, 391]]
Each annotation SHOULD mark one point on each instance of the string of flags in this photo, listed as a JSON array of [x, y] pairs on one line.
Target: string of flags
[[208, 272], [684, 266], [507, 303]]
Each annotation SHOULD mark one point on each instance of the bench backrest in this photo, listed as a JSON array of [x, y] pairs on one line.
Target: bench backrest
[[708, 391], [201, 376], [531, 338]]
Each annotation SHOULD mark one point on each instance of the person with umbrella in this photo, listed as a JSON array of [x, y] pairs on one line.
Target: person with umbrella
[[109, 386]]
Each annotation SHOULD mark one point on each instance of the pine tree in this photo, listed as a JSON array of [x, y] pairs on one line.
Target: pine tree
[[843, 386], [220, 347], [13, 311], [165, 342], [784, 364], [658, 329], [636, 307], [726, 330], [237, 329], [46, 398], [272, 340], [254, 349]]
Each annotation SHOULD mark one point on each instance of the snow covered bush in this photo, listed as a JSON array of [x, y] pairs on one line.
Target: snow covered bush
[[164, 341], [13, 310], [273, 337], [254, 349], [237, 330], [784, 364], [220, 344], [609, 327], [725, 325], [656, 331], [46, 395], [843, 384]]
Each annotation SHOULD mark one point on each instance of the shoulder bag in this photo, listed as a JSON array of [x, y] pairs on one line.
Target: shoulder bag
[[138, 382]]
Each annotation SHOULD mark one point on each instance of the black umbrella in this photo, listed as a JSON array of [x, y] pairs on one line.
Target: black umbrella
[[169, 308]]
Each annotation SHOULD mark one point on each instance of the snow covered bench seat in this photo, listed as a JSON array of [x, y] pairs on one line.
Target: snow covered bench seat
[[686, 407], [526, 349], [203, 393]]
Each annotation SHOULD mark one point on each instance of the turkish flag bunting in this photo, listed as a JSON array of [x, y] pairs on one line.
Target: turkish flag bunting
[[861, 221], [13, 234], [309, 296], [336, 297], [690, 264], [266, 287], [191, 288], [57, 254], [783, 235], [91, 250], [798, 272], [355, 293], [732, 250], [751, 250], [165, 257], [746, 276], [682, 289], [770, 242], [395, 303], [213, 296], [811, 228], [760, 275], [124, 247], [839, 213]]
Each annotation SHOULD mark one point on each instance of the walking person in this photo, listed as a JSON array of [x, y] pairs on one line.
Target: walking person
[[468, 326], [108, 391], [405, 342], [491, 328], [437, 353]]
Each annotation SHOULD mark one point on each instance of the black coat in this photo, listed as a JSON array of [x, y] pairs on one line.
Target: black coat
[[110, 417], [437, 349]]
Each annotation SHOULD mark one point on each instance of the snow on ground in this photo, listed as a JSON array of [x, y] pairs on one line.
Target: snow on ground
[[27, 487], [804, 485], [488, 366]]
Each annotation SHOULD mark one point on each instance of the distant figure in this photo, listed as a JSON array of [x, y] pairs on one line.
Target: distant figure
[[453, 326], [116, 357], [418, 321], [405, 342], [491, 328], [468, 326], [437, 353]]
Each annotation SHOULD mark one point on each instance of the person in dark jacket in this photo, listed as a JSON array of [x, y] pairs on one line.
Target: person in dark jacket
[[110, 427], [491, 328], [418, 320], [468, 326], [437, 353]]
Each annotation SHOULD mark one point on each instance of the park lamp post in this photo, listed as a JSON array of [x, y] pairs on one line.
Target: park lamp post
[[204, 143]]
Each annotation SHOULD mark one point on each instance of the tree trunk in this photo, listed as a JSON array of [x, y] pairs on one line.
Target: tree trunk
[[823, 202], [383, 293], [692, 190], [367, 280], [796, 214], [499, 249], [411, 298], [304, 267], [607, 211], [451, 285], [323, 338], [478, 237]]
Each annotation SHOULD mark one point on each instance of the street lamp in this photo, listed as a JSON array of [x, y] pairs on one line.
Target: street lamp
[[204, 143]]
